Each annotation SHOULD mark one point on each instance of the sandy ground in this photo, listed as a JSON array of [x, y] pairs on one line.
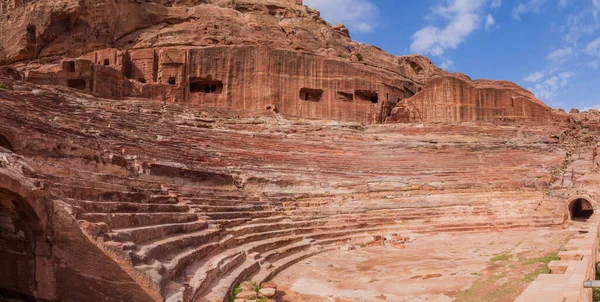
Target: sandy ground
[[461, 267]]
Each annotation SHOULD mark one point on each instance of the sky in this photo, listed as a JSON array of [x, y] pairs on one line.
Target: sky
[[550, 47]]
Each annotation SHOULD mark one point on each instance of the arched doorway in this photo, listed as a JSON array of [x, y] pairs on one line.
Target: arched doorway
[[19, 228], [581, 209], [5, 143]]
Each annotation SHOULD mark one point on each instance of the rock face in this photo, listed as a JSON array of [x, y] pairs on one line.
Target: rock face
[[168, 150], [452, 99], [246, 55], [180, 202]]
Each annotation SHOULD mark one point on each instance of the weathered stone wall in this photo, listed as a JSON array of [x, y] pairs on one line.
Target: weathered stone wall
[[43, 252], [245, 77], [451, 99]]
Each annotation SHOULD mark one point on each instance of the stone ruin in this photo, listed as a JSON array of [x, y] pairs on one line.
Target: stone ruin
[[169, 150]]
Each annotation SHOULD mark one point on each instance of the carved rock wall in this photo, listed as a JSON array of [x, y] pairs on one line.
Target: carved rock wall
[[452, 99]]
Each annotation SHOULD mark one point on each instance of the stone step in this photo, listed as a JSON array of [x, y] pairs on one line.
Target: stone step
[[210, 271], [191, 256], [128, 207], [163, 247], [267, 274], [130, 220], [144, 234], [286, 251], [259, 228], [249, 214], [222, 288], [226, 208]]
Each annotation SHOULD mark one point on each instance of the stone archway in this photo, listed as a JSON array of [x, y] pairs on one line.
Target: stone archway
[[5, 143], [20, 232], [581, 209]]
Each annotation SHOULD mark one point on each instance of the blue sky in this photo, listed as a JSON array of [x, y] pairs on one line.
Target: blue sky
[[551, 47]]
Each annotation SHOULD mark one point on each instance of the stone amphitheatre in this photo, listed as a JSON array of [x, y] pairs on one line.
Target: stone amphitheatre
[[171, 150]]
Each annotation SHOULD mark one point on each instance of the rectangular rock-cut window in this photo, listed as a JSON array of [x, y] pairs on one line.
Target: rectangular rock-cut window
[[71, 66], [77, 84], [206, 85], [312, 95], [367, 95], [345, 96]]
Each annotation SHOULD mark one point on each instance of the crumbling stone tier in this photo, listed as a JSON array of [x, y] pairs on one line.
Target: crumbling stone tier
[[170, 150]]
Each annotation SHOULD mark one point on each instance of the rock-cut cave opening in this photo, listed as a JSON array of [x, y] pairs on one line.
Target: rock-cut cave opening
[[206, 85], [313, 95], [77, 84], [5, 143], [18, 225], [367, 95], [581, 209]]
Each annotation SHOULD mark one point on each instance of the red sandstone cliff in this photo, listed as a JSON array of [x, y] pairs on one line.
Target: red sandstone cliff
[[251, 55]]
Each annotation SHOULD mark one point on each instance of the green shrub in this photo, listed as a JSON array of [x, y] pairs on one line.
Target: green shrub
[[503, 257], [359, 57], [4, 86]]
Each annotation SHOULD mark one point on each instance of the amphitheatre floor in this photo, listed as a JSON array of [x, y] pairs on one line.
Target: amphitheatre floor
[[446, 267]]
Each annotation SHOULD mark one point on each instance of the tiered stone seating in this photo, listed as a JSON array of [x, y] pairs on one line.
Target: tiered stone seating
[[210, 199]]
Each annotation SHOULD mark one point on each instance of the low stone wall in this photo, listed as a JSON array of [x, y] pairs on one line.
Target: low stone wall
[[576, 265]]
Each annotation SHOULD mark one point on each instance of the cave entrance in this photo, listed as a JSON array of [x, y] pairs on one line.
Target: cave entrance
[[206, 85], [77, 84], [312, 95], [367, 95], [19, 229], [5, 143], [70, 66], [581, 209]]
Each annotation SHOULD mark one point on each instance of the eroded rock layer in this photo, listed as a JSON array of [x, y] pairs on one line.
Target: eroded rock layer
[[170, 149], [254, 55], [187, 201]]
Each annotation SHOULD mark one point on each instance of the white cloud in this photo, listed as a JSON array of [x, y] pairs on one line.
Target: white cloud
[[357, 15], [447, 64], [563, 3], [596, 107], [593, 48], [463, 17], [527, 7], [489, 22], [548, 88], [496, 4], [534, 77], [560, 54], [596, 4]]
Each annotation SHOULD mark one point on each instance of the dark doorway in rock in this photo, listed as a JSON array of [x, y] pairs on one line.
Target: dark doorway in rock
[[77, 84], [19, 229], [5, 143], [367, 95], [106, 62], [71, 66], [311, 95], [581, 209], [416, 67], [172, 81], [206, 85]]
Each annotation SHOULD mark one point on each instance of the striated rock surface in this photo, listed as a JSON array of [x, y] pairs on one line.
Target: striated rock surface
[[182, 202], [250, 55], [168, 150], [455, 99]]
